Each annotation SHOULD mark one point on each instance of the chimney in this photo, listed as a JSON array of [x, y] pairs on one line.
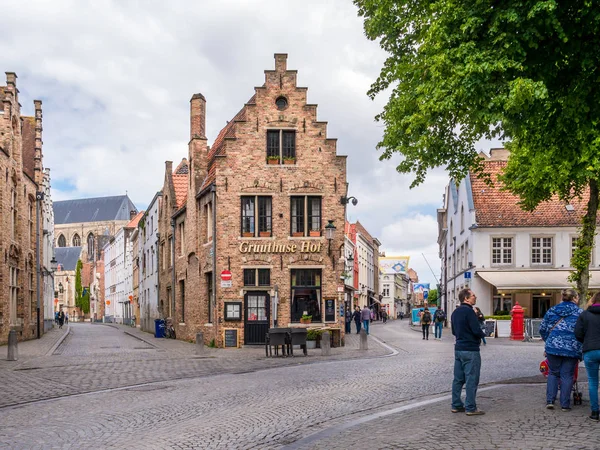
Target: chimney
[[281, 62], [132, 214], [198, 116], [38, 165]]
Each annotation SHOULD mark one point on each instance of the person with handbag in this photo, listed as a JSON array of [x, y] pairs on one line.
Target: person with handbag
[[587, 331], [563, 350]]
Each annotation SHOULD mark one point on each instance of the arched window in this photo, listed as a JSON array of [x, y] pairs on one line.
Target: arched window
[[76, 240], [90, 247], [62, 242]]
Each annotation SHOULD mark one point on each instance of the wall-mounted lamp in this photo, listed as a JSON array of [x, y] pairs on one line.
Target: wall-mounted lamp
[[345, 200], [329, 232]]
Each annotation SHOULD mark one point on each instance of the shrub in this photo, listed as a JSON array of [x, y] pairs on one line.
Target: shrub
[[507, 317], [312, 335]]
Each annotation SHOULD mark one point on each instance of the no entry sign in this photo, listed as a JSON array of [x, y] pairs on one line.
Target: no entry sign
[[226, 275]]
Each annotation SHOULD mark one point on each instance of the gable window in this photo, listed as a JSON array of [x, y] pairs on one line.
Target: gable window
[[541, 250], [257, 277], [305, 216], [502, 251], [253, 208], [62, 242], [76, 240], [281, 146]]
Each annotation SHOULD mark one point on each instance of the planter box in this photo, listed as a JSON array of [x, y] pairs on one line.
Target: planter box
[[315, 234], [248, 234], [289, 161], [503, 328], [265, 234], [298, 234], [273, 161], [306, 321], [311, 344]]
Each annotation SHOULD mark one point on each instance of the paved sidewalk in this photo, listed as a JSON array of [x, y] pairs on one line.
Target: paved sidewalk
[[516, 418], [33, 348]]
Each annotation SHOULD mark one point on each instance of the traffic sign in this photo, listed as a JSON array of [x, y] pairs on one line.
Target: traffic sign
[[340, 288], [467, 275], [226, 275]]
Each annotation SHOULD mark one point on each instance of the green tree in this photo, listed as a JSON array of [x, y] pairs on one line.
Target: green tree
[[85, 301], [78, 288], [522, 71], [432, 297]]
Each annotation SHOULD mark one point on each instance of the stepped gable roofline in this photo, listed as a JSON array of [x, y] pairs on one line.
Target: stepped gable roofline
[[98, 209], [67, 257], [496, 208]]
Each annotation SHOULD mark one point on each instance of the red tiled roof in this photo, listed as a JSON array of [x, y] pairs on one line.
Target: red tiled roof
[[133, 223], [28, 134], [218, 148], [180, 184], [496, 208]]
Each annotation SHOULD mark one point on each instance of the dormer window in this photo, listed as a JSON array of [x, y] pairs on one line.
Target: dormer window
[[281, 147]]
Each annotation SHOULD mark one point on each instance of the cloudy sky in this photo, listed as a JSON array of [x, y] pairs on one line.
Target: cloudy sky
[[116, 77]]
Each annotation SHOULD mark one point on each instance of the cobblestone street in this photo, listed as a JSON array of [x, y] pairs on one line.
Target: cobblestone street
[[103, 388]]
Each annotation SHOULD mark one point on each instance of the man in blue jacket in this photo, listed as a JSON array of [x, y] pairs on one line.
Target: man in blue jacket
[[467, 359]]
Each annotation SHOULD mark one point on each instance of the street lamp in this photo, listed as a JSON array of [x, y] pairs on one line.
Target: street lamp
[[329, 232], [345, 200]]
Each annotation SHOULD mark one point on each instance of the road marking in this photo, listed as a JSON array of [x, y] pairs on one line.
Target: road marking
[[336, 429]]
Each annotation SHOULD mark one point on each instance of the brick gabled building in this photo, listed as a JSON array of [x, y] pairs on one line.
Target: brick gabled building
[[20, 178], [250, 247]]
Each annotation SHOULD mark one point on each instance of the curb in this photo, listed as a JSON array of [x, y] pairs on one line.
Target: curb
[[60, 341], [139, 338]]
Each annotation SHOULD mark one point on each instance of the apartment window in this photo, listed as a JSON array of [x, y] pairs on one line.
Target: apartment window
[[171, 251], [386, 290], [257, 277], [152, 260], [182, 238], [257, 209], [13, 213], [449, 266], [182, 295], [76, 240], [466, 254], [281, 146], [305, 216], [502, 250], [13, 291], [209, 293], [573, 245], [163, 259], [462, 218], [459, 259], [208, 221], [31, 222], [541, 250]]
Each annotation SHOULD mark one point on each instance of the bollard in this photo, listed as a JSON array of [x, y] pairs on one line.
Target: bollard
[[199, 343], [13, 354], [325, 344], [363, 340]]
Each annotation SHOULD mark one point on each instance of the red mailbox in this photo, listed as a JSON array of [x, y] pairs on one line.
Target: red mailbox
[[517, 323]]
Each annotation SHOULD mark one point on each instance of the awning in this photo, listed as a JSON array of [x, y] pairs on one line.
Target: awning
[[374, 300], [534, 279]]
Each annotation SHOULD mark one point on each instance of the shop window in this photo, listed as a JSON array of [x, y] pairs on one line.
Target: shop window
[[281, 146], [503, 304], [306, 294], [257, 277], [253, 208], [305, 216], [540, 305]]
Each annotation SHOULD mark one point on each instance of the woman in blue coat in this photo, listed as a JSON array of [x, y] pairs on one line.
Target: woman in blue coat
[[563, 350]]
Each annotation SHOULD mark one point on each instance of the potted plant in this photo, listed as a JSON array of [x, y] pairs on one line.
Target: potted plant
[[264, 234], [306, 318], [272, 159], [289, 160], [311, 338], [315, 233]]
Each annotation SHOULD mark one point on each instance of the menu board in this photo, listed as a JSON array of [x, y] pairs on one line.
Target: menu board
[[231, 337], [329, 310]]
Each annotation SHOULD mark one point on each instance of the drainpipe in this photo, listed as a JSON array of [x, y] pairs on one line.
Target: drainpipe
[[213, 189], [454, 266], [157, 279], [172, 305]]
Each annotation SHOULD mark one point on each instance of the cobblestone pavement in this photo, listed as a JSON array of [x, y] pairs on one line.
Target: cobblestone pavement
[[136, 395]]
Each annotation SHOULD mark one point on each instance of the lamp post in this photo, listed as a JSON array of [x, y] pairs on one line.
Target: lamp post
[[329, 232]]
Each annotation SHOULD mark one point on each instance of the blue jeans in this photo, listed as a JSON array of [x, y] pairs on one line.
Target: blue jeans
[[562, 370], [592, 363], [366, 325], [357, 323], [467, 366], [439, 326]]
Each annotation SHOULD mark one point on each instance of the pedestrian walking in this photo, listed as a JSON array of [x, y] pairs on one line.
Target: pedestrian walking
[[481, 319], [61, 318], [425, 323], [587, 331], [467, 358], [384, 316], [438, 322], [348, 320], [563, 350], [66, 318], [401, 315], [56, 317], [366, 318], [357, 318]]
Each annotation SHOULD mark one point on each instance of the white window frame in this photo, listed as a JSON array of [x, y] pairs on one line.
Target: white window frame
[[541, 248], [502, 248]]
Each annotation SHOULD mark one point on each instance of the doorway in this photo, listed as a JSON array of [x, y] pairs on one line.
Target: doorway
[[540, 305], [256, 317]]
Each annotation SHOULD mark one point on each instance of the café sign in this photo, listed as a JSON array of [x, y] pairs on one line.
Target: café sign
[[271, 247]]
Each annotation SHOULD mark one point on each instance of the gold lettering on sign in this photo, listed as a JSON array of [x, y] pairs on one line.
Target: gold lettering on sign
[[305, 247]]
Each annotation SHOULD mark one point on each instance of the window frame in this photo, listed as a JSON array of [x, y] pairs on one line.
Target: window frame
[[541, 262], [308, 230], [254, 280], [502, 247], [261, 216], [278, 149]]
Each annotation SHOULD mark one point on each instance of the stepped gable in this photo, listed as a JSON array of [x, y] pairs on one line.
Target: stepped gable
[[97, 209], [218, 147], [497, 208]]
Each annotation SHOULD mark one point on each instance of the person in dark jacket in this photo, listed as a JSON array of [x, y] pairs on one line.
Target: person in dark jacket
[[348, 320], [562, 349], [61, 318], [366, 316], [481, 320], [356, 317], [587, 331], [425, 323], [467, 359]]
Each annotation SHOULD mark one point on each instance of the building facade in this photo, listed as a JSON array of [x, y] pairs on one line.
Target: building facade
[[20, 180], [47, 238], [506, 254], [367, 252], [250, 241], [64, 277], [149, 259], [394, 282]]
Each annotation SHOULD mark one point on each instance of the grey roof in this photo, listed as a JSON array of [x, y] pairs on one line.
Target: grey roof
[[93, 209], [67, 257]]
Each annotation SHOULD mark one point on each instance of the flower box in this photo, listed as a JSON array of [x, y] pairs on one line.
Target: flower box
[[298, 234], [315, 234], [265, 234], [246, 234], [289, 161], [273, 161]]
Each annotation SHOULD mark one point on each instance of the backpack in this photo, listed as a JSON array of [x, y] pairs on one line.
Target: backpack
[[440, 315], [426, 318]]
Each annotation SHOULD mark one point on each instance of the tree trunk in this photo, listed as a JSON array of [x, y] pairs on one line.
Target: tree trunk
[[585, 244]]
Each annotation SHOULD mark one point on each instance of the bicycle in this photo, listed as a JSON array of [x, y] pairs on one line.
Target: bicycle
[[132, 322], [168, 330]]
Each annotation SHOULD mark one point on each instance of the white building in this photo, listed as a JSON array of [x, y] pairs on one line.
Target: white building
[[47, 220], [394, 284], [148, 260], [505, 254]]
